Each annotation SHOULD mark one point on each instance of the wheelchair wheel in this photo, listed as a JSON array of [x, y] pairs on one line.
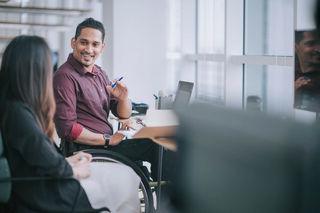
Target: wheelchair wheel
[[145, 193]]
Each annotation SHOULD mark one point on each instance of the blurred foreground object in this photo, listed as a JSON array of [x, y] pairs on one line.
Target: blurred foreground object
[[236, 161]]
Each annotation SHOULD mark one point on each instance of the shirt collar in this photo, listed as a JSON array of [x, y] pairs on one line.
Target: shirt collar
[[79, 67]]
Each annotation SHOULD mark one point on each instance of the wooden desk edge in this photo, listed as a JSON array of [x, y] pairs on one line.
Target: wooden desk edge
[[166, 143]]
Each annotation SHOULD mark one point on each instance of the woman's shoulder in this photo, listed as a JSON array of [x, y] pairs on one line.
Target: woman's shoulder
[[17, 106], [19, 120], [18, 109]]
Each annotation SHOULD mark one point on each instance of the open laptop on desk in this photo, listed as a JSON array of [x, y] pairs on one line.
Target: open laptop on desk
[[162, 123], [183, 94], [167, 117], [182, 97]]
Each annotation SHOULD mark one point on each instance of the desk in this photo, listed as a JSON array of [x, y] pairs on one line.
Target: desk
[[167, 143], [161, 135]]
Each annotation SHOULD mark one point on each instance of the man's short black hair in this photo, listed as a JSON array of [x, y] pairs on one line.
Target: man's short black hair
[[299, 34], [92, 23]]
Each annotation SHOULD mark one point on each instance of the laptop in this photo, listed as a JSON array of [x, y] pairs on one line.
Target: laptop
[[183, 94]]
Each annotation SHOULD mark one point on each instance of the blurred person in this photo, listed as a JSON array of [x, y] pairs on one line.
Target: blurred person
[[307, 70], [307, 47], [84, 98], [27, 108]]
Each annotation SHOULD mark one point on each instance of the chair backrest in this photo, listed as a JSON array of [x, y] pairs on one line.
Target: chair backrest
[[5, 183]]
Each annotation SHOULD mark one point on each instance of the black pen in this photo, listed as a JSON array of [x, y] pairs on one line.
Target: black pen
[[156, 97]]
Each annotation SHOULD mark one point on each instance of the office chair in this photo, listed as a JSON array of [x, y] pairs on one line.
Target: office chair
[[6, 185]]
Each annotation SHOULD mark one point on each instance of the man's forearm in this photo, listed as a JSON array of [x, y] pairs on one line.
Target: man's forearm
[[90, 138], [124, 108], [95, 139]]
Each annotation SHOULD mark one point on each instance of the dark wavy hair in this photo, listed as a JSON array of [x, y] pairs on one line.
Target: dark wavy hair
[[91, 23], [26, 76]]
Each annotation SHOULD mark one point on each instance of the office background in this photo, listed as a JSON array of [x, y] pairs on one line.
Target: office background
[[231, 49]]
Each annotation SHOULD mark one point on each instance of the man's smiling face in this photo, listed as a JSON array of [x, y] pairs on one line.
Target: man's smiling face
[[87, 47]]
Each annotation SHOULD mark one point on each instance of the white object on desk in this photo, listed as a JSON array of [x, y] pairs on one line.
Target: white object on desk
[[158, 118], [128, 133]]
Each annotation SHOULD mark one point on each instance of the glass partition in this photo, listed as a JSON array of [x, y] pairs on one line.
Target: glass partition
[[268, 27], [211, 80], [267, 89]]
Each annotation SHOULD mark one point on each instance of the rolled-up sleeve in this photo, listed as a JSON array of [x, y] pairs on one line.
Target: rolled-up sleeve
[[66, 100]]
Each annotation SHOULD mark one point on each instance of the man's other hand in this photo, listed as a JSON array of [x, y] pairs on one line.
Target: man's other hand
[[116, 138]]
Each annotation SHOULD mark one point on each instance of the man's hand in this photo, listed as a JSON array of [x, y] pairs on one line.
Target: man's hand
[[116, 138], [302, 82], [126, 124], [120, 91]]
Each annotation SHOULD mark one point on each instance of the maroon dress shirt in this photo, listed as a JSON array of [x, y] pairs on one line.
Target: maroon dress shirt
[[82, 100]]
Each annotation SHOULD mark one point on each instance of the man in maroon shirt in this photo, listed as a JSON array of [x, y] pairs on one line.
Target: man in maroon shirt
[[84, 98]]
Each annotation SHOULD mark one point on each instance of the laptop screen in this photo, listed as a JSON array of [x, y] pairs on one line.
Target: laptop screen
[[183, 94]]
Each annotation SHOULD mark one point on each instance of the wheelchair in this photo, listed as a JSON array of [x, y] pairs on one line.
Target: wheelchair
[[145, 192], [99, 154]]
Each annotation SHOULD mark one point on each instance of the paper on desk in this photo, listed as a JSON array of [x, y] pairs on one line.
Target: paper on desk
[[128, 133], [158, 118]]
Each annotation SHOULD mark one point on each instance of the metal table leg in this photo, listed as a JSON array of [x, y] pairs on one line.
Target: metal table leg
[[160, 156]]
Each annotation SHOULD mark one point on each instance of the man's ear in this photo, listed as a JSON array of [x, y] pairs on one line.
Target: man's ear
[[73, 43], [103, 46]]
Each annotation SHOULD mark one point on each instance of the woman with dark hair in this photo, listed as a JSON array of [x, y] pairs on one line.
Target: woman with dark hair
[[27, 108]]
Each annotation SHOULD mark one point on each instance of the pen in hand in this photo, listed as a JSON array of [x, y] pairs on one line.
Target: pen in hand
[[115, 83], [155, 97]]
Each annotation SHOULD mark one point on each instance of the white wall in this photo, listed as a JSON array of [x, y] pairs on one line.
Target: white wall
[[138, 45], [65, 37], [305, 14]]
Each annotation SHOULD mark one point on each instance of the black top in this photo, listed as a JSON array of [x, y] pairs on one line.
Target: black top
[[30, 153]]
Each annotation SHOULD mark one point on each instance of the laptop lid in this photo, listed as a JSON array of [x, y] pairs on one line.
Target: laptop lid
[[183, 94]]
